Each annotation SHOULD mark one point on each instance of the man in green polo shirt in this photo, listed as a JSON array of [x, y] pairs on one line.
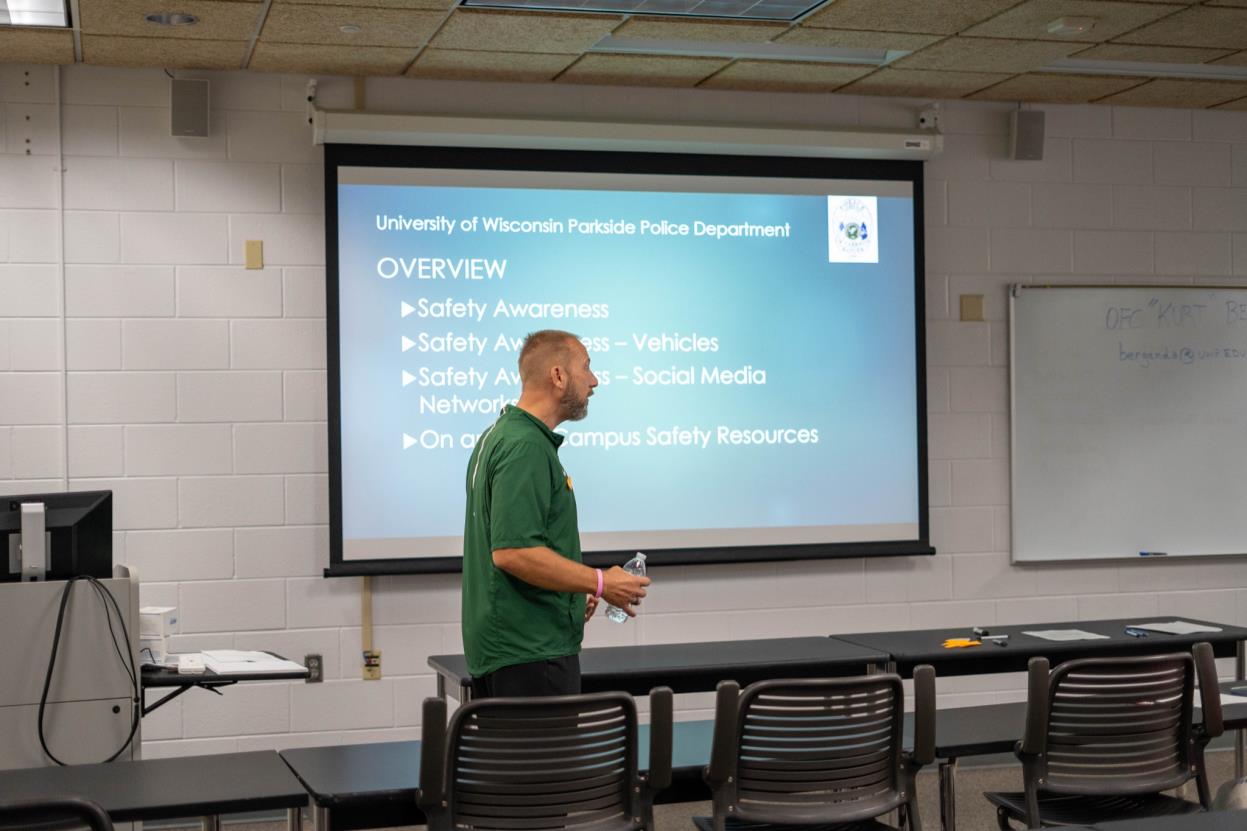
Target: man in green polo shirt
[[526, 593]]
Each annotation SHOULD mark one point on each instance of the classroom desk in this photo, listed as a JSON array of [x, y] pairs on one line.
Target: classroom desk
[[925, 646], [1210, 821], [692, 667], [374, 785], [154, 789], [168, 677]]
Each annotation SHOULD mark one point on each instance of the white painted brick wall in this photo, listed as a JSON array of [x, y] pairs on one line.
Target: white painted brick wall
[[196, 389]]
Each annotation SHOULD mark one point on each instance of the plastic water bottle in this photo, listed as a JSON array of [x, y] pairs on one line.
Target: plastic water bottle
[[634, 566]]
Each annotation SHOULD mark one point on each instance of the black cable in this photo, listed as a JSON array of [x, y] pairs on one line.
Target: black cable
[[106, 597]]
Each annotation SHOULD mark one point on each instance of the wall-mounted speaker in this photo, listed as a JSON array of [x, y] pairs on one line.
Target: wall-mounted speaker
[[1026, 135], [188, 100]]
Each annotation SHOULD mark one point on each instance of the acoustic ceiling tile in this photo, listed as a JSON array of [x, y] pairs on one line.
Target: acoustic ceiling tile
[[1236, 104], [289, 23], [854, 39], [1056, 88], [962, 54], [1199, 26], [505, 31], [641, 70], [218, 20], [19, 45], [918, 83], [1235, 59], [335, 60], [1031, 19], [464, 65], [725, 31], [946, 17], [1185, 93], [785, 76], [172, 53], [1150, 54]]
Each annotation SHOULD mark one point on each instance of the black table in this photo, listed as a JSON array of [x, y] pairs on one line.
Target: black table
[[693, 667], [374, 785], [168, 677], [925, 646], [155, 789]]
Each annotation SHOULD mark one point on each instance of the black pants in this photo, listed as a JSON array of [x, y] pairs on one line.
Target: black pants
[[556, 676]]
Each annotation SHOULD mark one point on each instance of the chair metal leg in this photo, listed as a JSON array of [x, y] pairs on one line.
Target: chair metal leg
[[212, 822], [1240, 738], [294, 819], [948, 795]]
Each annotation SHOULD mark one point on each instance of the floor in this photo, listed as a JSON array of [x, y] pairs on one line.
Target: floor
[[973, 811]]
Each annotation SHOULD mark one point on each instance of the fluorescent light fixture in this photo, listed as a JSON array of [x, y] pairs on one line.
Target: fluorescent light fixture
[[760, 51], [42, 13], [1149, 69], [731, 9]]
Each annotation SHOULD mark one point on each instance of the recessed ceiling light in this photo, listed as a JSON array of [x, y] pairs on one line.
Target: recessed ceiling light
[[350, 29], [172, 19], [1071, 25]]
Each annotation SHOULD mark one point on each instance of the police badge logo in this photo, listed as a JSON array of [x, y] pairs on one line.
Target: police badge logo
[[852, 229]]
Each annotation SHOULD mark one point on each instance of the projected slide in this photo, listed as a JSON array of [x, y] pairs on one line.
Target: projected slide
[[753, 338]]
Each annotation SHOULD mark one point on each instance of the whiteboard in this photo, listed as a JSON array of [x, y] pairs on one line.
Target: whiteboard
[[1129, 421]]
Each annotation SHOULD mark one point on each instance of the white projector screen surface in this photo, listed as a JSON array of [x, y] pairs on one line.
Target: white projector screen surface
[[1127, 410], [756, 341]]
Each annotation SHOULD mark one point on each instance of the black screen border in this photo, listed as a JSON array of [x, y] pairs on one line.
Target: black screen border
[[472, 158]]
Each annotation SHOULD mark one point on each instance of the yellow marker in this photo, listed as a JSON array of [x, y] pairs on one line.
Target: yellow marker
[[960, 643]]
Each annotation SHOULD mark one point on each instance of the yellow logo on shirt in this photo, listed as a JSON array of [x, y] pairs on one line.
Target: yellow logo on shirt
[[569, 482]]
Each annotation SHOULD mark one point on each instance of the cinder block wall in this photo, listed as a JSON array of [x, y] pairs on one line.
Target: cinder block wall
[[151, 363]]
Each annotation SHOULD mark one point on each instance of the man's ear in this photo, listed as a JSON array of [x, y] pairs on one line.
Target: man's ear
[[558, 377]]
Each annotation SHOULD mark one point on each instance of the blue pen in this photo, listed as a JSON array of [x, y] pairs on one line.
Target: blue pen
[[1135, 633], [1153, 553]]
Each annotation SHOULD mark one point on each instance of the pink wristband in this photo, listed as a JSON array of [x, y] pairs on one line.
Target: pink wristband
[[598, 594]]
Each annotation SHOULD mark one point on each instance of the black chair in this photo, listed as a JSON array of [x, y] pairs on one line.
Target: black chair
[[1104, 737], [818, 752], [53, 815], [561, 762]]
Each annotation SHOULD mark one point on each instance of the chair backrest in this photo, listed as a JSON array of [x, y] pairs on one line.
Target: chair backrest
[[560, 762], [53, 814], [817, 750], [1117, 726]]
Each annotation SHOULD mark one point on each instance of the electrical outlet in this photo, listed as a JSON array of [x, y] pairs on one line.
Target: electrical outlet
[[315, 668], [372, 665]]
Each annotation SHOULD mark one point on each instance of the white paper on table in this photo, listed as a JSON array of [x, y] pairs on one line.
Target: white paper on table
[[1176, 627], [1066, 635], [231, 661]]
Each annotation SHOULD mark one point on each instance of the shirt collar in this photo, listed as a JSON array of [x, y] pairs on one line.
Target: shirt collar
[[513, 411]]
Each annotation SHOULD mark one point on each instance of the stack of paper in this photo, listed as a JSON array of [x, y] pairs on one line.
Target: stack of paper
[[1065, 635], [232, 661], [1176, 627]]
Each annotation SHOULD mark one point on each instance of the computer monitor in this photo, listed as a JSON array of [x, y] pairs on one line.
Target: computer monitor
[[79, 533]]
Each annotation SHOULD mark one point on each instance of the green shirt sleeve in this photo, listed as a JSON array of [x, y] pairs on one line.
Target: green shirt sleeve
[[520, 496]]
